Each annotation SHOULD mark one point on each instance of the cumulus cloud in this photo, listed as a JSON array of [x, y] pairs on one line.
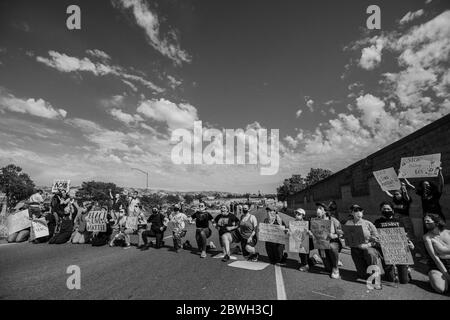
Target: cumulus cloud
[[98, 54], [298, 113], [65, 63], [371, 56], [125, 117], [35, 107], [310, 104], [149, 21], [410, 16]]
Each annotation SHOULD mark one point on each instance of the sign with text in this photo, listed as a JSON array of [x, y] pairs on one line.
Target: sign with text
[[96, 221], [18, 221], [131, 223], [61, 185], [298, 236], [321, 230], [39, 229], [353, 235], [272, 233], [387, 179], [394, 245], [420, 167]]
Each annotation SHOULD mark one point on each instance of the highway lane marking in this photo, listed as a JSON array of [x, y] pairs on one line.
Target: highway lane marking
[[323, 294], [281, 292], [167, 237], [8, 244]]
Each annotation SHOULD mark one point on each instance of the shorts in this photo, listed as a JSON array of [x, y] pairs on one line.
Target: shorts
[[237, 237]]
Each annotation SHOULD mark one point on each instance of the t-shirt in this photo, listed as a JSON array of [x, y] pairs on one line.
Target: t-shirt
[[157, 221], [401, 206], [179, 221], [202, 219], [431, 204], [132, 206], [384, 222], [224, 221]]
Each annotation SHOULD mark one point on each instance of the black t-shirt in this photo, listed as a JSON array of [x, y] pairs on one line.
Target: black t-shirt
[[431, 204], [202, 219], [157, 221], [401, 206], [384, 222], [224, 221]]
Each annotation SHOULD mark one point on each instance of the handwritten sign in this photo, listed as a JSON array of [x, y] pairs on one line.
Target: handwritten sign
[[394, 245], [353, 235], [60, 185], [298, 237], [132, 223], [420, 167], [321, 229], [272, 233], [39, 229], [387, 179], [96, 221], [18, 221]]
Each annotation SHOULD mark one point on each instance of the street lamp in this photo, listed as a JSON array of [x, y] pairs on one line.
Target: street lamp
[[144, 172]]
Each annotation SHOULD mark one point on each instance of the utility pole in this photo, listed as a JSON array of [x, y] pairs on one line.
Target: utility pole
[[144, 172]]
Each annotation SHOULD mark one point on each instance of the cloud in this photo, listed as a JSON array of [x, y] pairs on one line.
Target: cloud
[[125, 117], [35, 107], [175, 116], [98, 54], [173, 82], [310, 104], [410, 16], [298, 113], [149, 21], [371, 56], [65, 63]]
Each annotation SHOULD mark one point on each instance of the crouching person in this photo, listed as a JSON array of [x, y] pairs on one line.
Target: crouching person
[[158, 226], [275, 251], [178, 220]]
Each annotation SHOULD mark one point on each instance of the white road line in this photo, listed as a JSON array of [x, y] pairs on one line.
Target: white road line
[[167, 237], [281, 292], [8, 244], [323, 294]]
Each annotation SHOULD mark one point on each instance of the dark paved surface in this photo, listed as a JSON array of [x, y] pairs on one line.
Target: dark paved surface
[[38, 271]]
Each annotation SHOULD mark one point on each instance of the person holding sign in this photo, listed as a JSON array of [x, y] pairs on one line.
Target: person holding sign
[[275, 251], [80, 234], [330, 255], [388, 220], [305, 261], [437, 243], [430, 195], [365, 254]]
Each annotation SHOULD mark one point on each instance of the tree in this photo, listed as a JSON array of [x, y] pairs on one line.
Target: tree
[[315, 175], [97, 191], [16, 184], [188, 199], [297, 183], [152, 201], [171, 199]]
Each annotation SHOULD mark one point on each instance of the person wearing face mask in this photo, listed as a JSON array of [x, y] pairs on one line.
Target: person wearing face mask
[[247, 234], [365, 254], [430, 195], [330, 256], [226, 223], [178, 219], [158, 226], [305, 261], [275, 251], [388, 220], [437, 244], [203, 232]]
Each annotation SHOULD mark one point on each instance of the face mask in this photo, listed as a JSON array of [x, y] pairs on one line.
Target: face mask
[[387, 213], [245, 210]]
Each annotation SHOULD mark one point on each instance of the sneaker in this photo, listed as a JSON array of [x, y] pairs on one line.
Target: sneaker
[[335, 274], [203, 255], [226, 258], [304, 268], [211, 245], [255, 257], [340, 264]]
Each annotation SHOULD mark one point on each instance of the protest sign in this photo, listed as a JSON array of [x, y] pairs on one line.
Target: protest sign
[[96, 221], [298, 237], [321, 230], [131, 223], [39, 228], [387, 179], [18, 221], [394, 245], [60, 185], [272, 233], [420, 167], [353, 235]]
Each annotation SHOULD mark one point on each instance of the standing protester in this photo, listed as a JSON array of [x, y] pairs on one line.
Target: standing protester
[[365, 254], [330, 256], [388, 220], [133, 203], [226, 223], [437, 243], [158, 226], [275, 251], [430, 195], [203, 232], [80, 234], [179, 231], [305, 261]]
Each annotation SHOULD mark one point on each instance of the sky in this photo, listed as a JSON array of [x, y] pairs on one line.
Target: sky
[[92, 104]]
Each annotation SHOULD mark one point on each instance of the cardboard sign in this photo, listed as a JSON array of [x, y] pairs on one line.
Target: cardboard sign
[[131, 223], [298, 237], [353, 235], [60, 185], [272, 233], [321, 229], [96, 221], [420, 167], [387, 179], [39, 228], [394, 245], [18, 221]]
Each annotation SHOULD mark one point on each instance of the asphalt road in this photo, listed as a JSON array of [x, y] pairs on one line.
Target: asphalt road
[[39, 271]]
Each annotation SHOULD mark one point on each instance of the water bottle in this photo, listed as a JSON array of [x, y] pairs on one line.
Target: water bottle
[[396, 279]]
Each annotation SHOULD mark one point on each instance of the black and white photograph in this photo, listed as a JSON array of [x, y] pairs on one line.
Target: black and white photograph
[[233, 152]]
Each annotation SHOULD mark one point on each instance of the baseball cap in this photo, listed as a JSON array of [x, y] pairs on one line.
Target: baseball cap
[[300, 211], [321, 204], [356, 207], [177, 206]]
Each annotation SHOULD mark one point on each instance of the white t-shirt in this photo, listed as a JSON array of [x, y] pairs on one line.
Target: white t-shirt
[[179, 221], [36, 198]]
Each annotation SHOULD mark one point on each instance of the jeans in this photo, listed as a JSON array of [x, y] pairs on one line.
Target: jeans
[[330, 257], [159, 235], [201, 236], [274, 252], [363, 258]]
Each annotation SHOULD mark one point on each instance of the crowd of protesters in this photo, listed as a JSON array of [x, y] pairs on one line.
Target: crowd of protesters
[[67, 222]]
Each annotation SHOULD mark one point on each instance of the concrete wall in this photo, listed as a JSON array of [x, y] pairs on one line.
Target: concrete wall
[[356, 184]]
